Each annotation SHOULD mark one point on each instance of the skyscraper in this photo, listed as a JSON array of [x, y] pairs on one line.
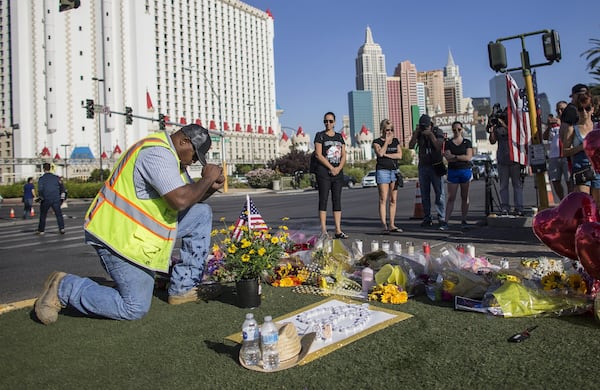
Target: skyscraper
[[371, 76], [453, 87], [434, 90], [407, 72], [360, 107]]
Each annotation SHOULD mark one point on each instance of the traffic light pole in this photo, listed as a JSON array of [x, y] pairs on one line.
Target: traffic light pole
[[497, 57]]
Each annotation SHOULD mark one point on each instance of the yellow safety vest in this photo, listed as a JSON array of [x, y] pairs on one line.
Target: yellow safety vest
[[143, 231]]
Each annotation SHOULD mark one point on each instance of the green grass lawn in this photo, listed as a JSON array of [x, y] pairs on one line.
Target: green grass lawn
[[183, 347]]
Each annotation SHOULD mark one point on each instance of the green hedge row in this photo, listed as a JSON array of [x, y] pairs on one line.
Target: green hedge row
[[75, 189]]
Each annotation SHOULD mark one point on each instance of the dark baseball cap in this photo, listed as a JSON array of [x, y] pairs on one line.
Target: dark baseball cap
[[579, 88], [425, 121], [200, 139]]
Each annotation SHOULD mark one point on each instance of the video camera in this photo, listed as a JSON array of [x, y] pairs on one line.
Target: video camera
[[496, 114]]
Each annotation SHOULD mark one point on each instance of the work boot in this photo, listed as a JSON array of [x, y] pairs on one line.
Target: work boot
[[201, 292], [48, 305]]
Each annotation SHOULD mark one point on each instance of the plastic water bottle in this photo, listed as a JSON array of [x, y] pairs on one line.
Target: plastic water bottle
[[269, 335], [250, 352]]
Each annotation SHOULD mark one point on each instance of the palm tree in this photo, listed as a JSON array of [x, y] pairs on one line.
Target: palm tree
[[593, 56]]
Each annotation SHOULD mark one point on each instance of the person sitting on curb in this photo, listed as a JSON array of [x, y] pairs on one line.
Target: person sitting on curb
[[147, 203]]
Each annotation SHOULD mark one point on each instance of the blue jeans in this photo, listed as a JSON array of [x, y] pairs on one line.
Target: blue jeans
[[44, 208], [132, 296], [427, 179], [511, 172]]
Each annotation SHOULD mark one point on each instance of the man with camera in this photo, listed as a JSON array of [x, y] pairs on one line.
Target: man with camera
[[507, 169], [429, 140]]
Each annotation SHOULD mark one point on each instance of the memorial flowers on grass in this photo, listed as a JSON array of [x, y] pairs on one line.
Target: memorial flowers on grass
[[246, 253]]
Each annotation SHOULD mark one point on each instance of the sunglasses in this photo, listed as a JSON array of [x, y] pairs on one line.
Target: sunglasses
[[587, 109], [389, 130], [458, 129], [328, 121]]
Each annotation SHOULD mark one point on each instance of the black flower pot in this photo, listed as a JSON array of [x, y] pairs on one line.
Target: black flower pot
[[247, 292]]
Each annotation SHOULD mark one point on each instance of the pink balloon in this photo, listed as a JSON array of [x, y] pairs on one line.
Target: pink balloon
[[591, 146], [556, 227], [587, 238]]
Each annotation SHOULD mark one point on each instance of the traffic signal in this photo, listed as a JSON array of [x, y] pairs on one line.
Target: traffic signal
[[497, 56], [128, 116], [551, 43], [161, 122], [89, 108]]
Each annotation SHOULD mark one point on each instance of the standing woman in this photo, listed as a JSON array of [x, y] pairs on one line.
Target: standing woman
[[330, 151], [573, 147], [387, 149], [458, 152]]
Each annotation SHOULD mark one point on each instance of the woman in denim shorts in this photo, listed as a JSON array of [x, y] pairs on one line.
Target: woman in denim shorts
[[458, 152], [388, 151]]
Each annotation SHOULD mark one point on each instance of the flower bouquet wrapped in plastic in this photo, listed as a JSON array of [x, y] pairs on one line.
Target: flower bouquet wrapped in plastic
[[328, 272], [527, 298]]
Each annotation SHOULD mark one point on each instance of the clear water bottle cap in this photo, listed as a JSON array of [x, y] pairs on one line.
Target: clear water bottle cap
[[249, 316], [268, 318]]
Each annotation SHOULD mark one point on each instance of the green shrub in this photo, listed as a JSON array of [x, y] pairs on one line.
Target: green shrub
[[262, 177]]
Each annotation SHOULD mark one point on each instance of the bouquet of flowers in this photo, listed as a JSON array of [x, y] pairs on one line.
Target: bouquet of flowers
[[243, 253]]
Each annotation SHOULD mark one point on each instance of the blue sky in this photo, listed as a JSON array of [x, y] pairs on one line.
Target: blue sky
[[316, 44]]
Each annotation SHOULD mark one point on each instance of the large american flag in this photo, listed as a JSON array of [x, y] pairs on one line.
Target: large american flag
[[519, 130], [251, 218]]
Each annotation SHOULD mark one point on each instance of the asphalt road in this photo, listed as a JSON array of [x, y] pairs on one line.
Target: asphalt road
[[26, 259]]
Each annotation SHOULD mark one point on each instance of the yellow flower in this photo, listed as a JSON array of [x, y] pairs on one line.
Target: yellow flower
[[245, 243], [274, 240], [215, 247], [222, 219], [214, 232], [261, 251], [245, 257], [232, 249]]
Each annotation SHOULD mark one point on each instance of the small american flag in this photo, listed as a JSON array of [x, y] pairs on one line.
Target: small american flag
[[252, 218]]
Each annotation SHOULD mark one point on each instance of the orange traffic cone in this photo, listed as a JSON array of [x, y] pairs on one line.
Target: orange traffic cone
[[32, 213], [418, 212], [549, 190], [12, 213]]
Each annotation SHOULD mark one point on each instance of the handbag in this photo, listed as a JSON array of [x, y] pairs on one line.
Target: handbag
[[583, 176], [440, 168], [399, 179]]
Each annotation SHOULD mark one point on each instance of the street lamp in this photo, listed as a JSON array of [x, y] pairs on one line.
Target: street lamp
[[221, 125], [99, 80], [66, 166]]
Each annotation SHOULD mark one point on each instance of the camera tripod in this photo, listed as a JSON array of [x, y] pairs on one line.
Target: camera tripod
[[492, 196]]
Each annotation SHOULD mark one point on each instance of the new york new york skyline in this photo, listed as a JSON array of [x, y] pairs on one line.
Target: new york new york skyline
[[316, 44]]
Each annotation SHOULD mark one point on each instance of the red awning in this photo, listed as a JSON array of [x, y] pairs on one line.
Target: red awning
[[300, 131], [284, 136], [104, 156], [183, 121], [260, 130], [225, 126], [46, 152], [238, 127], [57, 156], [270, 131], [212, 125], [249, 129], [198, 122], [117, 149]]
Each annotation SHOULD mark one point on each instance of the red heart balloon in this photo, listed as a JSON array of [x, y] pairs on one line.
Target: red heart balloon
[[556, 226], [591, 146], [587, 238]]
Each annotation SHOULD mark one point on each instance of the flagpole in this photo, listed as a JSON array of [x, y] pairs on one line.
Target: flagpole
[[248, 211]]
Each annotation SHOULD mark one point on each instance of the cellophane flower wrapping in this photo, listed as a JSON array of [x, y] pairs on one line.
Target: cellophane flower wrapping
[[454, 273]]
